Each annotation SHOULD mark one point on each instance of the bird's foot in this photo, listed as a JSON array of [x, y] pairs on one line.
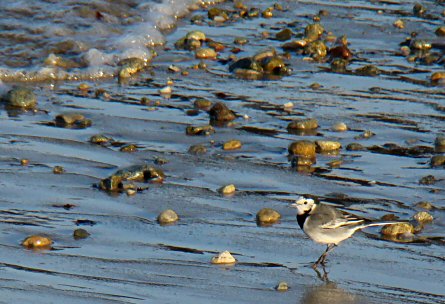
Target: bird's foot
[[323, 277], [321, 260]]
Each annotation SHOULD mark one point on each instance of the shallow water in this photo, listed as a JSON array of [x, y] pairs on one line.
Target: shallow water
[[129, 258]]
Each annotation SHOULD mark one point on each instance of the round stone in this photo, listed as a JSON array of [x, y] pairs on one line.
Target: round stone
[[37, 242], [327, 145], [282, 286], [355, 147], [423, 217], [397, 229], [80, 233], [206, 53], [21, 97], [267, 216], [227, 190], [339, 127], [58, 170], [425, 205], [303, 124], [232, 145], [167, 217], [303, 148]]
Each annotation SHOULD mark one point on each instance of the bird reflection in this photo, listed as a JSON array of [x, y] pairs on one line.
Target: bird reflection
[[329, 293]]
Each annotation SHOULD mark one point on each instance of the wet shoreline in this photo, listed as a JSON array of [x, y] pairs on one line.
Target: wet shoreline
[[130, 258]]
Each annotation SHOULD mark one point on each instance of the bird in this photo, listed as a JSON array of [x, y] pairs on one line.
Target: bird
[[327, 225]]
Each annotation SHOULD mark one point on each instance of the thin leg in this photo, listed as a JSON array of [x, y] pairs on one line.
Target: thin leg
[[324, 276], [322, 259]]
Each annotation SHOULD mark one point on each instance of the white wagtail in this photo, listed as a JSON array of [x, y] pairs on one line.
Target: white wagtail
[[327, 225]]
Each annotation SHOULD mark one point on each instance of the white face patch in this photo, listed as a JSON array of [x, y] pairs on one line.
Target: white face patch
[[304, 205]]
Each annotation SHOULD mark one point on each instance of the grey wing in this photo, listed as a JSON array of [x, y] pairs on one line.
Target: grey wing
[[328, 217]]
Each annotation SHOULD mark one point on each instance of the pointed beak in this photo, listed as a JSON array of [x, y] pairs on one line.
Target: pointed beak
[[293, 205]]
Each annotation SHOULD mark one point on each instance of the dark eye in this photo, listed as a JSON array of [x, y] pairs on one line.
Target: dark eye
[[305, 202]]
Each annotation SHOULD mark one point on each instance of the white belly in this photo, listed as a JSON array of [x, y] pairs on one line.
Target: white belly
[[329, 236]]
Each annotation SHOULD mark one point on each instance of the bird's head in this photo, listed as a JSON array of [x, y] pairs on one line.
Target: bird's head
[[304, 205]]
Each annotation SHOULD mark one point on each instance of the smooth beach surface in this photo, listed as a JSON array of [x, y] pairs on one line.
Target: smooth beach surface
[[130, 258]]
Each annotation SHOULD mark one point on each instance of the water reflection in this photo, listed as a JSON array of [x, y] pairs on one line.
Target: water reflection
[[328, 292]]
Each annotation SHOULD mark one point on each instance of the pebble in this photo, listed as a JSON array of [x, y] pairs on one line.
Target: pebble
[[419, 10], [397, 229], [327, 145], [80, 233], [206, 53], [37, 242], [423, 217], [368, 70], [174, 68], [335, 163], [440, 31], [167, 90], [217, 46], [399, 23], [224, 257], [200, 130], [389, 217], [130, 66], [192, 112], [365, 134], [240, 40], [302, 161], [282, 286], [313, 31], [58, 170], [315, 86], [232, 145], [70, 119], [112, 183], [220, 112], [304, 148], [439, 144], [217, 14], [316, 49], [437, 160], [424, 205], [438, 77], [355, 147], [197, 149], [131, 192], [227, 190], [267, 216], [405, 50], [167, 217], [427, 180], [196, 35], [202, 104], [284, 35], [160, 161], [303, 124], [21, 97], [129, 148], [339, 127], [288, 106], [100, 139], [83, 87], [267, 13]]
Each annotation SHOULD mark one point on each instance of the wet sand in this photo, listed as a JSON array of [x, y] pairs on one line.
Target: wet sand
[[129, 258]]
